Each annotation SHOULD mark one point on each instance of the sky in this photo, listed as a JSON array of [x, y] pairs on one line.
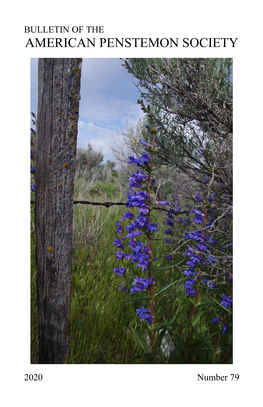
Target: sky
[[108, 103]]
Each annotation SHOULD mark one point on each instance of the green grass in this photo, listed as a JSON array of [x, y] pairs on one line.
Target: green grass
[[104, 330]]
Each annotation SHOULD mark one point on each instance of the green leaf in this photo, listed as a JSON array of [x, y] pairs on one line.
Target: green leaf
[[168, 267], [136, 299], [162, 289], [185, 299], [197, 317], [164, 325], [226, 309], [202, 339], [205, 303], [179, 340], [139, 340], [161, 326]]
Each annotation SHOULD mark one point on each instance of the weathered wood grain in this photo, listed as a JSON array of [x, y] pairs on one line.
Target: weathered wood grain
[[57, 126]]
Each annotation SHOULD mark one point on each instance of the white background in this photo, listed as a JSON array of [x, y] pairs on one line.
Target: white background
[[119, 385]]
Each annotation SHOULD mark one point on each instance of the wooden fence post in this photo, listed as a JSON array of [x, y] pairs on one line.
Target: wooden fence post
[[57, 126]]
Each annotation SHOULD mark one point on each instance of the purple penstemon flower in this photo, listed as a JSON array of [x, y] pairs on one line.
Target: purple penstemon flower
[[137, 179], [145, 158], [226, 301], [168, 241], [199, 216], [198, 198], [189, 273], [119, 255], [202, 246], [119, 270], [145, 314], [169, 257], [144, 209], [141, 284], [143, 142], [163, 203], [134, 161], [128, 215], [215, 320], [118, 243], [133, 234]]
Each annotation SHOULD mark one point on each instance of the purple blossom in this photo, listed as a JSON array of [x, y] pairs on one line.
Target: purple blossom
[[119, 270], [119, 254], [189, 273], [196, 235], [143, 264], [198, 216], [134, 161], [202, 247], [118, 243], [188, 287], [162, 203], [189, 251], [140, 284], [133, 234], [144, 209], [132, 243], [145, 314], [210, 259], [121, 286], [226, 301], [141, 221], [119, 229], [152, 227], [137, 199], [198, 198], [143, 142], [145, 158], [128, 215], [136, 179], [215, 320], [169, 257], [194, 259]]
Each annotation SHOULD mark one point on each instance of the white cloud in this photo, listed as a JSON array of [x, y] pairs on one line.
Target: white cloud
[[106, 109], [81, 124], [99, 137]]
